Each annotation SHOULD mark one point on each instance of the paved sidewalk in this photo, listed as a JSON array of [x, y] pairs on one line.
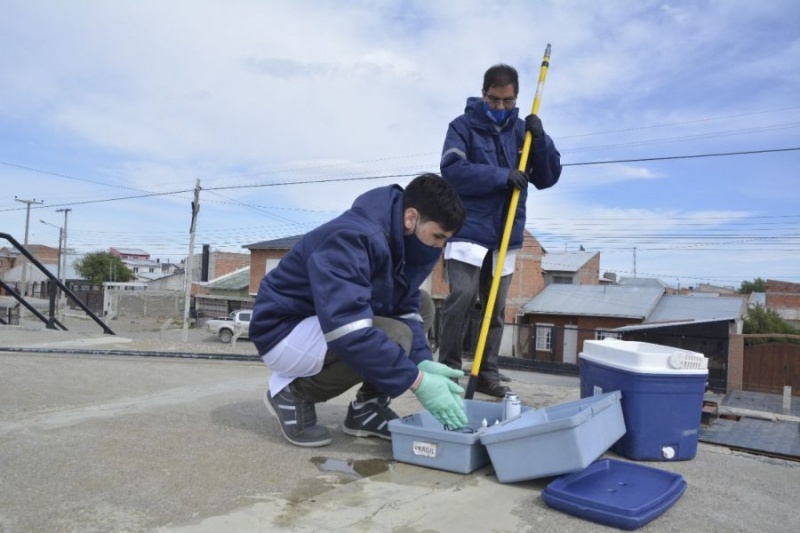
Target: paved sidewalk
[[126, 443]]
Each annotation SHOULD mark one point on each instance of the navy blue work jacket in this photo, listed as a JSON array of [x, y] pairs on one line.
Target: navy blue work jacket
[[476, 159], [345, 272]]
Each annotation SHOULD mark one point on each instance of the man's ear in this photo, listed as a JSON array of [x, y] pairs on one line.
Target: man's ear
[[410, 218]]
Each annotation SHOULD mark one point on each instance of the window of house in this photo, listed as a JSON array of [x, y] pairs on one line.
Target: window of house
[[544, 338], [600, 334], [564, 280], [271, 263]]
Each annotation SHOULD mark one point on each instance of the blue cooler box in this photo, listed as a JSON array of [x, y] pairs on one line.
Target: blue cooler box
[[662, 395]]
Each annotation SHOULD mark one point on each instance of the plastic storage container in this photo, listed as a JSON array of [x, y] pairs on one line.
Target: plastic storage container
[[662, 395], [616, 493], [555, 440], [420, 439]]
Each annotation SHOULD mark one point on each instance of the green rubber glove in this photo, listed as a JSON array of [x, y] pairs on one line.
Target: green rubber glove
[[432, 367], [441, 398]]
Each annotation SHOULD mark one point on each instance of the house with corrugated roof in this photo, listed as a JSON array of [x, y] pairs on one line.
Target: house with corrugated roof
[[571, 268], [220, 296], [265, 255], [562, 317]]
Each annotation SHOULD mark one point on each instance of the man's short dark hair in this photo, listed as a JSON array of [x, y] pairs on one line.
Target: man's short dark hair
[[501, 75], [436, 200]]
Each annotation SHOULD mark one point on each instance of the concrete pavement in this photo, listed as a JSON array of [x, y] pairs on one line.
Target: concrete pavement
[[126, 443]]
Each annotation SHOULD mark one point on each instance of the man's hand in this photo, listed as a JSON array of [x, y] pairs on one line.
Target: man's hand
[[432, 367], [442, 398], [533, 124], [517, 179]]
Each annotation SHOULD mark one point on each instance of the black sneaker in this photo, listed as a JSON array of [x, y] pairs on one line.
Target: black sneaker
[[370, 420], [298, 419]]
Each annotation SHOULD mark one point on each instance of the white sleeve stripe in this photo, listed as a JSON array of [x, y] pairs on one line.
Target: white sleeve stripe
[[456, 151], [348, 328], [412, 316]]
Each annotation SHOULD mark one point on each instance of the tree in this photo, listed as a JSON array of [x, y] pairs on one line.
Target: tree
[[98, 267], [749, 287], [763, 320]]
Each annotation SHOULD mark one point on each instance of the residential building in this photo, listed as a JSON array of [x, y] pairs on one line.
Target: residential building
[[129, 253], [783, 297], [571, 268], [562, 317]]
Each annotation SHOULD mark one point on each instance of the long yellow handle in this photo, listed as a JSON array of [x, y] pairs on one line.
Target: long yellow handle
[[501, 254]]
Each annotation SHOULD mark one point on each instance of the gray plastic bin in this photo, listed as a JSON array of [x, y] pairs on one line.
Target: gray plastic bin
[[555, 440], [420, 439]]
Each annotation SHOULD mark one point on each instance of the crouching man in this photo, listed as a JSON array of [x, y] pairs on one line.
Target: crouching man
[[343, 308]]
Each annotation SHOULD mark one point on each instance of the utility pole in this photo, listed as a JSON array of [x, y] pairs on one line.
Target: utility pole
[[187, 277], [27, 223], [62, 301], [66, 212]]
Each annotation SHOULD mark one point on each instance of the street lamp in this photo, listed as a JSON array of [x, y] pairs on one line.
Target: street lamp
[[60, 253]]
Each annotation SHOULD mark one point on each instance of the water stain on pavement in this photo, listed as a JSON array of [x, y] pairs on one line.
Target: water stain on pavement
[[357, 469]]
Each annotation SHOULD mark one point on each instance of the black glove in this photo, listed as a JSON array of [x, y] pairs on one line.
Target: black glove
[[517, 179], [533, 124]]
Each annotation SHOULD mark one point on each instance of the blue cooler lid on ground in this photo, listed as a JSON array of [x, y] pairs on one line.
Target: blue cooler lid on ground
[[616, 493]]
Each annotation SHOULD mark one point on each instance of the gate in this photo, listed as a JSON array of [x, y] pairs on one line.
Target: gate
[[770, 366]]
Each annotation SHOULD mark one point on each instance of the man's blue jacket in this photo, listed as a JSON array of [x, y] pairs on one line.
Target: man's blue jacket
[[476, 160], [346, 272]]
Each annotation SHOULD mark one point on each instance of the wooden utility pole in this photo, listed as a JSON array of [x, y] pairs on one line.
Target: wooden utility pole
[[187, 277]]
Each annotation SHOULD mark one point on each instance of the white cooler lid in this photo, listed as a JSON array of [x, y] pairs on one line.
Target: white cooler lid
[[644, 357]]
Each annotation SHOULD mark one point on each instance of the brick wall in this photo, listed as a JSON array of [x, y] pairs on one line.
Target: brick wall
[[258, 265], [227, 262], [44, 254], [589, 273], [586, 327], [735, 375]]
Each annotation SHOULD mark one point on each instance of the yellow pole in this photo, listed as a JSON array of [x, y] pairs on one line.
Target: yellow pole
[[501, 254]]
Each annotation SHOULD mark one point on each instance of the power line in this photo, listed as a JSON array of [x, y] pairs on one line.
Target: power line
[[682, 138], [392, 176], [682, 123], [695, 156]]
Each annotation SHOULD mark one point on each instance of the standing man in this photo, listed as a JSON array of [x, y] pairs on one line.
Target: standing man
[[480, 159], [343, 308]]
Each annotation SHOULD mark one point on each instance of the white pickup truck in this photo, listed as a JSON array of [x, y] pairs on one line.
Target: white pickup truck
[[226, 328]]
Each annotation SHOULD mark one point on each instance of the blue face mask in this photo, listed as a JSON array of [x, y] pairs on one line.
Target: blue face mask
[[498, 116], [419, 253]]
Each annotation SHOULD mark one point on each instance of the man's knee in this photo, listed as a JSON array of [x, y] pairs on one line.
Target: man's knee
[[395, 330]]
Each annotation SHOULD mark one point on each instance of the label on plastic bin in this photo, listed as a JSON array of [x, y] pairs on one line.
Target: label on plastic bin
[[597, 391], [425, 449]]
